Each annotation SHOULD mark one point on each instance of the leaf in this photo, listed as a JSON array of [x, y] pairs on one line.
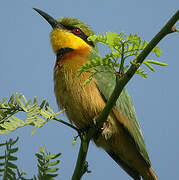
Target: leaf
[[42, 150], [3, 100], [12, 158], [11, 172], [15, 141], [12, 165], [141, 73], [25, 100], [21, 122], [56, 155], [112, 38], [51, 170], [11, 100], [52, 156], [2, 170], [42, 104], [2, 164], [13, 150], [157, 51], [2, 157], [39, 156], [156, 62], [149, 66], [50, 176], [92, 38], [33, 131], [41, 162], [52, 163]]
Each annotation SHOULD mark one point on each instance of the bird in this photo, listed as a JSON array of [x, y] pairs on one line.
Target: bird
[[120, 136]]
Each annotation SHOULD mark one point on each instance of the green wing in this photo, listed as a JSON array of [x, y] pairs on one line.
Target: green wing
[[105, 80]]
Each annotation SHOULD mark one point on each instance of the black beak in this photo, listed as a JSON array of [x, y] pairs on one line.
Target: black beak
[[54, 23]]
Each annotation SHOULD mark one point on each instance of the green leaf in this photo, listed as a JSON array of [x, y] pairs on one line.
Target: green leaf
[[42, 104], [11, 100], [3, 144], [12, 158], [41, 162], [52, 163], [157, 51], [33, 131], [53, 156], [15, 141], [141, 73], [50, 110], [10, 171], [156, 62], [39, 156], [92, 38], [25, 100], [149, 66], [35, 100], [2, 170], [2, 164], [18, 120], [42, 150], [51, 170], [50, 176], [12, 165], [3, 100], [13, 150], [112, 38]]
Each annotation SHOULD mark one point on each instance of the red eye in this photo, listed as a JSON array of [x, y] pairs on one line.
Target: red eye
[[77, 31]]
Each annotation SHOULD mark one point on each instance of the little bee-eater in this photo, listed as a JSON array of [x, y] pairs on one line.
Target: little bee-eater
[[121, 136]]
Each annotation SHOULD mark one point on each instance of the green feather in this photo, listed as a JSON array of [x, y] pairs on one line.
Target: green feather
[[105, 81]]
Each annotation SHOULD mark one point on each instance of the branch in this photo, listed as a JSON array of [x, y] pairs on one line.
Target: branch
[[66, 123], [81, 167], [121, 81]]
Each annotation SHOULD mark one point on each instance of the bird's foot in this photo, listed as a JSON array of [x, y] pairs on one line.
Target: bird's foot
[[106, 131]]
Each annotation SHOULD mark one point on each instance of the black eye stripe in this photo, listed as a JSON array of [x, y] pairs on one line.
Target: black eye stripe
[[82, 35]]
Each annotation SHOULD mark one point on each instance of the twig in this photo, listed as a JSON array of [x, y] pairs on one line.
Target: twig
[[80, 168], [67, 124]]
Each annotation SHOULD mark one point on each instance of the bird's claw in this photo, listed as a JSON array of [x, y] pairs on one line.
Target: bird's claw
[[106, 131]]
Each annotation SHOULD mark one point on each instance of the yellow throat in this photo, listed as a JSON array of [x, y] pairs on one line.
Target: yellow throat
[[61, 38]]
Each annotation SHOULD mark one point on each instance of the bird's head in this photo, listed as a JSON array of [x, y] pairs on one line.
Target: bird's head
[[69, 33]]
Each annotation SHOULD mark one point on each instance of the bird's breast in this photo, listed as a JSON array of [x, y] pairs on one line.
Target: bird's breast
[[81, 103]]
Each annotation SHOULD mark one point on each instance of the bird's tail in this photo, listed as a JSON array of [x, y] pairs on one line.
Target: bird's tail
[[150, 175]]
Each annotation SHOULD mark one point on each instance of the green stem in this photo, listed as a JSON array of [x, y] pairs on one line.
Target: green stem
[[67, 124], [121, 69], [80, 167]]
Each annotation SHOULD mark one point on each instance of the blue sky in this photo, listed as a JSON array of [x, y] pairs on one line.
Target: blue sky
[[26, 66]]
